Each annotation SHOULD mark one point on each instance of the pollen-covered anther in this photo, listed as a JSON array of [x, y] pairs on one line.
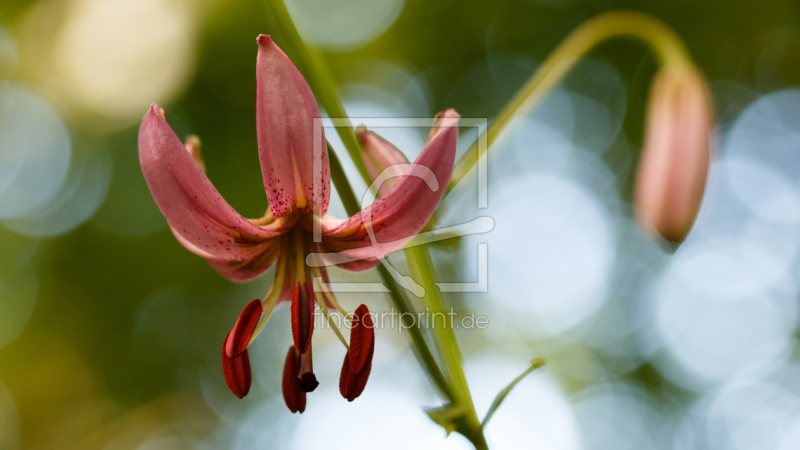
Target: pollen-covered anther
[[302, 316], [351, 385], [239, 338], [236, 370], [358, 360], [362, 340], [295, 398]]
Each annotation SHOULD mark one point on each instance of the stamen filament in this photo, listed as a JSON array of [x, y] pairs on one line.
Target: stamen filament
[[329, 295], [314, 264], [271, 298], [272, 302], [324, 306], [299, 255]]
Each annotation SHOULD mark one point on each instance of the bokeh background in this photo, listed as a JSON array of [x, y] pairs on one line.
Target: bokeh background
[[110, 331]]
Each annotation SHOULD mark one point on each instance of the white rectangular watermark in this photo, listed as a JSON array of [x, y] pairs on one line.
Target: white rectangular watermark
[[479, 225]]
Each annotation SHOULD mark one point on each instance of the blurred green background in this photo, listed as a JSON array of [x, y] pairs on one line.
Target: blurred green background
[[110, 331]]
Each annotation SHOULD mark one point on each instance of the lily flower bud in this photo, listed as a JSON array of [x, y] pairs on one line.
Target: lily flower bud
[[672, 173], [379, 155]]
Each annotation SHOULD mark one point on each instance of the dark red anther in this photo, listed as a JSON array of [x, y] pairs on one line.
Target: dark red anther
[[306, 381], [236, 370], [351, 385], [302, 316], [362, 340], [243, 330], [295, 398]]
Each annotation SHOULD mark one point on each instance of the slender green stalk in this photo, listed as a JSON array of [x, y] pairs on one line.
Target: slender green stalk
[[399, 301], [318, 76], [669, 49], [342, 184], [419, 263], [535, 364], [408, 316]]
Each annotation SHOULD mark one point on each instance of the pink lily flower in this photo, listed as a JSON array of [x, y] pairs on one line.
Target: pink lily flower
[[242, 249]]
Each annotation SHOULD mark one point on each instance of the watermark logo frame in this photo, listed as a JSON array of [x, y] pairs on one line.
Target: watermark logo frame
[[479, 225]]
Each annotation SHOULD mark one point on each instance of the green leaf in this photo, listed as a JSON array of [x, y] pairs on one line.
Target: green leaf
[[447, 416], [535, 364]]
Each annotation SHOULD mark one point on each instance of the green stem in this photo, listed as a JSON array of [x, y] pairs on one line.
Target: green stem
[[669, 49], [318, 76], [419, 263], [342, 184], [399, 301]]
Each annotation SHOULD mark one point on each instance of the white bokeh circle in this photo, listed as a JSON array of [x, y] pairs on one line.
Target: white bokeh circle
[[343, 25], [35, 151], [724, 313]]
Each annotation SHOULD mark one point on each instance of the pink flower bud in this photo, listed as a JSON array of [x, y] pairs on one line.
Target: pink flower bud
[[672, 172], [379, 156]]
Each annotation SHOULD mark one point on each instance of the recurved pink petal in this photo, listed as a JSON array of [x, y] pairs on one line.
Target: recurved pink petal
[[381, 157], [359, 265], [238, 271], [195, 211], [242, 271], [392, 220], [285, 113]]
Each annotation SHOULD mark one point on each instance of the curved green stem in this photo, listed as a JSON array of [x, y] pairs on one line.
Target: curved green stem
[[670, 51], [419, 263]]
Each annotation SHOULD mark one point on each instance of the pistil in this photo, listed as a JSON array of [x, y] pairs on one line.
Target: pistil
[[306, 381]]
